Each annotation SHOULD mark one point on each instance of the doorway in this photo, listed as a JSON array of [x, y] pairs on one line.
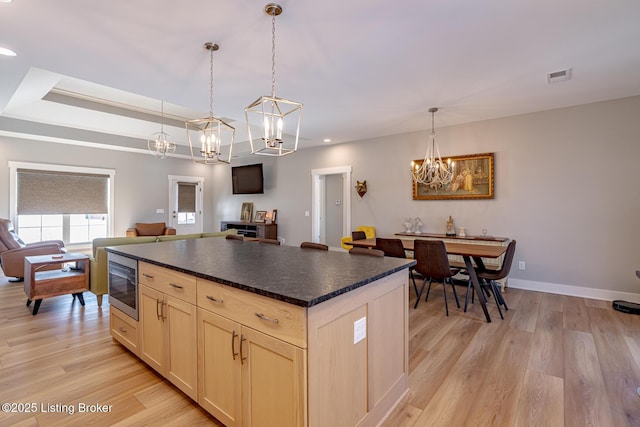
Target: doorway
[[185, 204], [324, 230]]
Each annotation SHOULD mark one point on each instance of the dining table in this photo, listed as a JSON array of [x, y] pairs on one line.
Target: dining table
[[470, 253]]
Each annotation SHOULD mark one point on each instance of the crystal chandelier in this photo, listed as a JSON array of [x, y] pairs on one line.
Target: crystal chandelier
[[278, 137], [432, 171], [160, 144], [210, 134]]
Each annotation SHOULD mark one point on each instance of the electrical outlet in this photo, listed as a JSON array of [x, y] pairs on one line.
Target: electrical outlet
[[282, 240], [521, 265]]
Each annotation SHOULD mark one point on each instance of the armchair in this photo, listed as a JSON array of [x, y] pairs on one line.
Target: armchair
[[13, 250], [150, 229]]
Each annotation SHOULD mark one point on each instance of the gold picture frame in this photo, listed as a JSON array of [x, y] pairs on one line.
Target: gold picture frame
[[246, 211], [473, 178]]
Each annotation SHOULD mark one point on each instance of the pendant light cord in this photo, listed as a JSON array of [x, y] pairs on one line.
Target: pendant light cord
[[273, 53], [211, 84], [162, 117]]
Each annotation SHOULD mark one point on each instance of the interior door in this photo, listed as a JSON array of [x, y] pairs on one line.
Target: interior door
[[185, 199]]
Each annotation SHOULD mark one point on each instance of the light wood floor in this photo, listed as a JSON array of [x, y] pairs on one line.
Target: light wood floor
[[553, 361]]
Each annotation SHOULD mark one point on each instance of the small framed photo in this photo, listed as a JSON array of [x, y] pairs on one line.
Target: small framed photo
[[246, 212], [260, 216], [274, 214]]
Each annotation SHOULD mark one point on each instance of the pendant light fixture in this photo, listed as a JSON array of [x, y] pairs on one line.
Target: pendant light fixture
[[208, 137], [160, 144], [278, 119], [432, 171]]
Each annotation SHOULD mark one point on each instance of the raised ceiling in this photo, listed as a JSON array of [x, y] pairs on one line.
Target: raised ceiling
[[95, 72]]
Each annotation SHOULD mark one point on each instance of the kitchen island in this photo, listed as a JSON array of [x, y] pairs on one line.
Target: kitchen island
[[272, 335]]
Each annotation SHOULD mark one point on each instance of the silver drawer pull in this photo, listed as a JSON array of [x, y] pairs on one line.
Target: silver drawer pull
[[148, 276], [268, 319], [214, 299], [175, 285]]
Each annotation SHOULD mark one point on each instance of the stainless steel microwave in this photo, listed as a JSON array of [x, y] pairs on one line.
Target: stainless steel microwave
[[123, 284]]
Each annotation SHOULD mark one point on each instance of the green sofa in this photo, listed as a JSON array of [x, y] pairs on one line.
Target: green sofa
[[98, 274]]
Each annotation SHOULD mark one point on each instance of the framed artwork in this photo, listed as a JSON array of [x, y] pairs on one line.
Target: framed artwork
[[260, 216], [246, 212], [274, 215], [473, 178]]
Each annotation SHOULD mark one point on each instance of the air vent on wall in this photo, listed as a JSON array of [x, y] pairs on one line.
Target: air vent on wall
[[559, 76]]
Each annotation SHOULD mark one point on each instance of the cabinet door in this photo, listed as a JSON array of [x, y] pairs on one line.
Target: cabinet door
[[152, 346], [273, 381], [180, 331], [219, 370]]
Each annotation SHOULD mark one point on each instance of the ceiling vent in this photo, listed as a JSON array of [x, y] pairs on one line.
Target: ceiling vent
[[559, 76]]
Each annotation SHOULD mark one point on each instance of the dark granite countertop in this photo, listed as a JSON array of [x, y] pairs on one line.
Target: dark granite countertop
[[303, 277]]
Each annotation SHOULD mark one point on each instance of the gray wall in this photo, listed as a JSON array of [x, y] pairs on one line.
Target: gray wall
[[566, 188], [141, 181]]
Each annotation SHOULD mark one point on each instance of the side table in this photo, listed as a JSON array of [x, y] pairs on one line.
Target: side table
[[50, 283]]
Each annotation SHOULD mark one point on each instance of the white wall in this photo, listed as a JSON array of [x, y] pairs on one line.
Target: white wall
[[566, 189]]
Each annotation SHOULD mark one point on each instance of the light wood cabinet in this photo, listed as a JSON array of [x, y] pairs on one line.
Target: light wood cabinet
[[250, 360], [168, 329], [246, 377], [124, 329]]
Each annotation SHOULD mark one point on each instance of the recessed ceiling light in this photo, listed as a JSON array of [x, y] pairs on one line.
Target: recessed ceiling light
[[326, 140], [7, 52]]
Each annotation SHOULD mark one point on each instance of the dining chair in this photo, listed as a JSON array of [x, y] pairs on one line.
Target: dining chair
[[369, 231], [358, 235], [270, 241], [433, 263], [235, 237], [313, 245], [489, 279], [394, 248], [366, 251]]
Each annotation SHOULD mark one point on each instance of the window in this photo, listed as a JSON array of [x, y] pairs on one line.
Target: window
[[187, 202], [51, 202]]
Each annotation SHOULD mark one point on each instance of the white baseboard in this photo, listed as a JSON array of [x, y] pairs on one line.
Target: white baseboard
[[575, 291]]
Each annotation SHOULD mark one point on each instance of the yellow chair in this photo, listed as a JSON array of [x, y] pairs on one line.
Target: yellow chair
[[346, 239], [369, 231]]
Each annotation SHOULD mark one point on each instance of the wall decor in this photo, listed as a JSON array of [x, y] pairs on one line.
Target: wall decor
[[473, 178], [274, 216], [361, 187], [260, 216], [246, 211]]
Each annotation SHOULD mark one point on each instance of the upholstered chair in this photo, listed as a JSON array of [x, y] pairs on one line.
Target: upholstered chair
[[13, 250], [150, 229]]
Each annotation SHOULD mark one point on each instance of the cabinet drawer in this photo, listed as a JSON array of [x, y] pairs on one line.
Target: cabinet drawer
[[124, 329], [276, 318], [170, 282]]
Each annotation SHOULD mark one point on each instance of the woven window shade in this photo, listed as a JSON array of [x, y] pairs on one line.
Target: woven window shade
[[49, 192], [186, 197]]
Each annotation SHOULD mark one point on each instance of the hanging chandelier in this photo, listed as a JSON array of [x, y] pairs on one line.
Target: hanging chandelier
[[432, 171], [278, 137], [209, 136], [160, 144]]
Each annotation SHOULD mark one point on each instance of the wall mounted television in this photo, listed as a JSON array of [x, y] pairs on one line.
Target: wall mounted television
[[247, 179]]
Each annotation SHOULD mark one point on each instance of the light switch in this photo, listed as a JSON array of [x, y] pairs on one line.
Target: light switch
[[359, 330], [160, 211]]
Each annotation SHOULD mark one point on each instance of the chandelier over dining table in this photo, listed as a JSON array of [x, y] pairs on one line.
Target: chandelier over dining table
[[432, 171]]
